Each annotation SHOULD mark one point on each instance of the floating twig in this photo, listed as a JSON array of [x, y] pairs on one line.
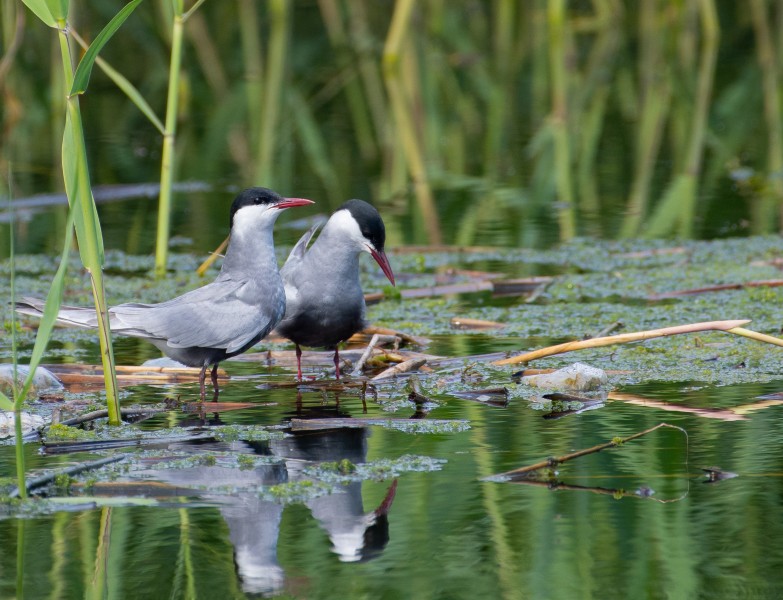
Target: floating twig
[[624, 338], [608, 329], [755, 335], [37, 482], [718, 288], [403, 367], [99, 414], [463, 323], [376, 339], [558, 460], [218, 252]]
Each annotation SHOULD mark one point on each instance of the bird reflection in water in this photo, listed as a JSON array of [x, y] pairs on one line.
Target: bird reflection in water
[[254, 523]]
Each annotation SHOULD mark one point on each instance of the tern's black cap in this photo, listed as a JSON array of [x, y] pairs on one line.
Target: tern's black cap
[[254, 195], [370, 222]]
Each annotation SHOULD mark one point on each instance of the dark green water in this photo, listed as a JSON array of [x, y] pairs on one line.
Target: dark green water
[[449, 534]]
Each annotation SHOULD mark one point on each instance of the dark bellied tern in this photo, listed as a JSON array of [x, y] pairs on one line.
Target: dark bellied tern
[[324, 299], [223, 318]]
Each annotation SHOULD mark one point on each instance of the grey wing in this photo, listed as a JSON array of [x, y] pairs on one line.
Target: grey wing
[[300, 248], [214, 316]]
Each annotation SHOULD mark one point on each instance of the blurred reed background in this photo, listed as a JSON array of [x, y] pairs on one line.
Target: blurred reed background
[[494, 122]]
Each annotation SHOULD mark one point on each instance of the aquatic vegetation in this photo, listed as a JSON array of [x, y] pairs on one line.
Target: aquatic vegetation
[[298, 491], [377, 470], [249, 433]]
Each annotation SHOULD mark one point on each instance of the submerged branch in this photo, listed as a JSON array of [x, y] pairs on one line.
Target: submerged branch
[[37, 482], [558, 460]]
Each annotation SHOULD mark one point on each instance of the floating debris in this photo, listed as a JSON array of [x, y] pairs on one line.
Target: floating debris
[[30, 422], [715, 474], [490, 396], [404, 367], [465, 323], [405, 425], [43, 380], [578, 377], [565, 405]]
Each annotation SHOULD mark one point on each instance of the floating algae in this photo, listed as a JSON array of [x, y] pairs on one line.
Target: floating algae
[[377, 470]]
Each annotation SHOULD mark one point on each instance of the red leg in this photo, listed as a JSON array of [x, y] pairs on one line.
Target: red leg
[[201, 381], [214, 377]]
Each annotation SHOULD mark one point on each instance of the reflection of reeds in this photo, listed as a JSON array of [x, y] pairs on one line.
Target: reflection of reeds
[[559, 118]]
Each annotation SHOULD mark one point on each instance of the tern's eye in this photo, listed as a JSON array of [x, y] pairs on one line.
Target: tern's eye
[[257, 200]]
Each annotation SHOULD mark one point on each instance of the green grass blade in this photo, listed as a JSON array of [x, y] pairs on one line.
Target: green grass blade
[[5, 402], [49, 11], [88, 225], [122, 82], [82, 76], [52, 307]]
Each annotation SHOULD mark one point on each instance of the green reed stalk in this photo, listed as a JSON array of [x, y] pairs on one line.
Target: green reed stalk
[[169, 140], [125, 85], [678, 206], [765, 52], [88, 232], [655, 97], [501, 90], [83, 215], [314, 145], [593, 103], [372, 82], [560, 120], [359, 112], [394, 78], [279, 14], [253, 62]]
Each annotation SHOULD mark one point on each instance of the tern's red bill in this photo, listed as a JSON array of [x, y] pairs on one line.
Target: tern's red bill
[[292, 202], [383, 262]]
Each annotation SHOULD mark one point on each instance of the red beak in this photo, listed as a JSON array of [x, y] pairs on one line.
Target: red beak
[[292, 202], [383, 262]]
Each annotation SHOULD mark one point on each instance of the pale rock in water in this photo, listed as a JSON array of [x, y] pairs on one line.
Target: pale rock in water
[[576, 377], [29, 423], [42, 380]]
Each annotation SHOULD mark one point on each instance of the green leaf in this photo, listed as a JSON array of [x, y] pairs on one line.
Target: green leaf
[[132, 93], [49, 11], [5, 402], [75, 171], [82, 76], [53, 300]]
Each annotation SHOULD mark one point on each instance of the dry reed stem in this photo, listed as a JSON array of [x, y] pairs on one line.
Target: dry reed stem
[[624, 338]]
